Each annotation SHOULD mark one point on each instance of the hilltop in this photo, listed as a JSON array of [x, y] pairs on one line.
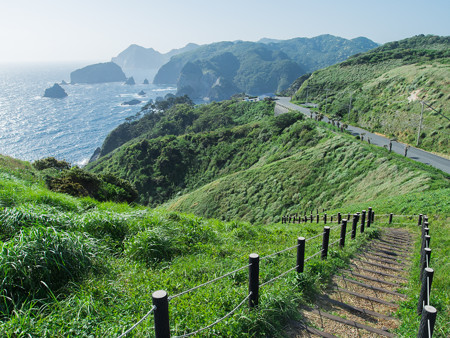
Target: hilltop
[[385, 87]]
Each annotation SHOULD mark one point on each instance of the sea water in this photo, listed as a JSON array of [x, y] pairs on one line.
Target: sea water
[[34, 127]]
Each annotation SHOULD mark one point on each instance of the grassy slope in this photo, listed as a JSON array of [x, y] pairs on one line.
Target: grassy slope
[[136, 251], [182, 251], [380, 90], [336, 172]]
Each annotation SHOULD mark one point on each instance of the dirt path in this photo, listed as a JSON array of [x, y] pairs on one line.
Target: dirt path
[[361, 300]]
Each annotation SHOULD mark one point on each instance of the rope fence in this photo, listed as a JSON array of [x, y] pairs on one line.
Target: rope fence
[[161, 300], [424, 308]]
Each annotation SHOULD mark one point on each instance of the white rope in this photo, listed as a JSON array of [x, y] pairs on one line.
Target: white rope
[[209, 282], [279, 252], [279, 276], [135, 325]]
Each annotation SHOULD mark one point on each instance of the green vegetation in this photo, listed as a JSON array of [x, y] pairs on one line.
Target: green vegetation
[[75, 266], [386, 86], [60, 177], [219, 70]]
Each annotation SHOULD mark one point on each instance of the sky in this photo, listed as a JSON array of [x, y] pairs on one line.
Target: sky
[[96, 30]]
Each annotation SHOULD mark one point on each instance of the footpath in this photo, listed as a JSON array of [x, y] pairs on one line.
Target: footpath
[[283, 105], [361, 300]]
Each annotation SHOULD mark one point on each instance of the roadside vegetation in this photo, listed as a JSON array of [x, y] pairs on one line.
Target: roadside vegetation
[[381, 91]]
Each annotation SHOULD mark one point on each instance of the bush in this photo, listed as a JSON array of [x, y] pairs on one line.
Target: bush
[[41, 260], [51, 162], [150, 246]]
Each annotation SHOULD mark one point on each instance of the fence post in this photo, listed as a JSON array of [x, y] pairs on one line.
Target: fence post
[[369, 218], [161, 314], [300, 254], [311, 217], [253, 280], [363, 220], [325, 218], [373, 217], [348, 217], [390, 217], [331, 219], [339, 218], [428, 318], [317, 218], [424, 260], [343, 231], [325, 240], [354, 225], [425, 290], [419, 223]]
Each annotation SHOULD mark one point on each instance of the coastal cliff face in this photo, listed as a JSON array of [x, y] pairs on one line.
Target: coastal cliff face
[[98, 73]]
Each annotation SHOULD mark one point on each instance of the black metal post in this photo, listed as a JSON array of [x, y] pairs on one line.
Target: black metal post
[[427, 321], [300, 254], [161, 314], [354, 225], [343, 231], [390, 218], [425, 260], [339, 218], [425, 289], [253, 280], [325, 241], [363, 220], [419, 223]]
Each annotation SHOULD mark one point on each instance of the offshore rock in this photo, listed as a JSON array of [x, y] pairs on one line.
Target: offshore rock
[[130, 81], [131, 102], [98, 73], [55, 92]]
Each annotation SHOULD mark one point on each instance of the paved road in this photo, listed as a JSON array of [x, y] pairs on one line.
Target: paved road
[[283, 105]]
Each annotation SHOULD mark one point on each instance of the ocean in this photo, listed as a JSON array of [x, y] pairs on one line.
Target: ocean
[[34, 127]]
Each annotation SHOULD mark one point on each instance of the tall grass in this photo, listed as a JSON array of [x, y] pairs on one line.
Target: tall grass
[[41, 260]]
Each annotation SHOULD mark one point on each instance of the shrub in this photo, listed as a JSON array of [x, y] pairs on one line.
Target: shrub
[[150, 246], [51, 162]]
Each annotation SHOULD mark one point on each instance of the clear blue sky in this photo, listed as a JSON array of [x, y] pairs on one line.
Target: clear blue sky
[[96, 30]]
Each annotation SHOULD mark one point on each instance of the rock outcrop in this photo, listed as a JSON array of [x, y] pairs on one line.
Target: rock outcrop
[[56, 92], [145, 81], [131, 102], [98, 73], [130, 81]]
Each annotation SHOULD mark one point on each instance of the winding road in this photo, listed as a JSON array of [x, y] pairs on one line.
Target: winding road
[[283, 105]]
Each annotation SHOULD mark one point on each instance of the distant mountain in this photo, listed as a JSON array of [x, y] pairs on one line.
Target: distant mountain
[[137, 60], [222, 69], [385, 86]]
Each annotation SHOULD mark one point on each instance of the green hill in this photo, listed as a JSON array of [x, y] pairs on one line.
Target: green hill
[[219, 70], [385, 86]]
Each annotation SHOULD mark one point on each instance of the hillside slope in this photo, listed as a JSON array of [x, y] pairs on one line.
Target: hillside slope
[[330, 174], [385, 87]]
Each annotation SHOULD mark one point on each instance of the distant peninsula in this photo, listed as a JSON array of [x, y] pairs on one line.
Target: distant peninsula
[[98, 73]]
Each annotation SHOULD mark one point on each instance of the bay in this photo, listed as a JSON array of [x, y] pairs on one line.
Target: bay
[[34, 127]]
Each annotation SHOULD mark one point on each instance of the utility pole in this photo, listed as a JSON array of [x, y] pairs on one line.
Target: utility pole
[[420, 125], [349, 107]]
